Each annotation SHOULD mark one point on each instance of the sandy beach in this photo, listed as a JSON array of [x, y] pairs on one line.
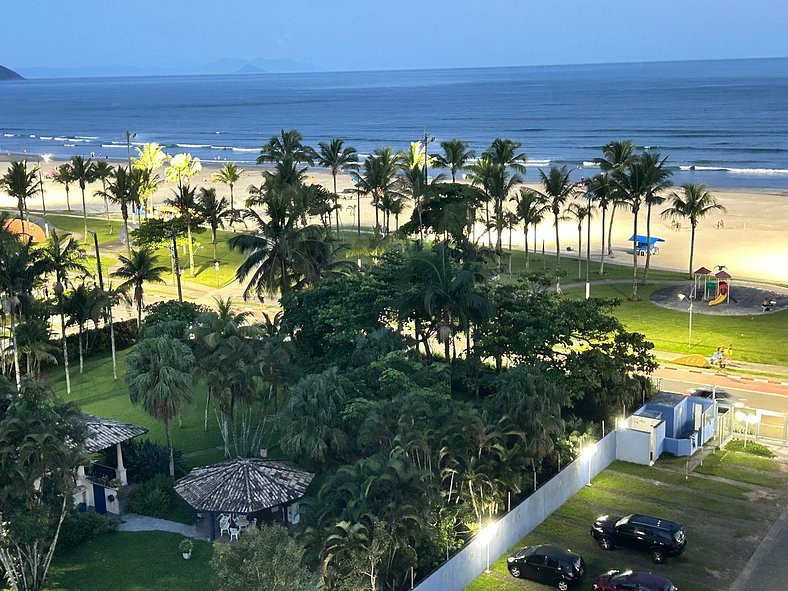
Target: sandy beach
[[751, 241]]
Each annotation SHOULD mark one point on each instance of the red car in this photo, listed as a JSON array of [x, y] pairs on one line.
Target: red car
[[616, 580]]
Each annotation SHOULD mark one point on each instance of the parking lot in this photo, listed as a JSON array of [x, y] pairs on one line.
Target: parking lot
[[726, 505]]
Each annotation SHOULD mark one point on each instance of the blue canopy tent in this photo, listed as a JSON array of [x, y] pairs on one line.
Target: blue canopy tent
[[641, 244]]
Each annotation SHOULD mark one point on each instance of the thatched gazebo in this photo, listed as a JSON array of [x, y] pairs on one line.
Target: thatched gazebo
[[244, 486]]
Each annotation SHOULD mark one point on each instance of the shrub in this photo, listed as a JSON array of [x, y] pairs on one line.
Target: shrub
[[153, 498], [144, 459], [173, 310], [755, 449], [80, 528]]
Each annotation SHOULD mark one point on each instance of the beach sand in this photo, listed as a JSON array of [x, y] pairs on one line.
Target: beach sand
[[753, 244]]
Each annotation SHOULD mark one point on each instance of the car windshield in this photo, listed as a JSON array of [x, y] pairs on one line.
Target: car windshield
[[620, 577], [578, 563]]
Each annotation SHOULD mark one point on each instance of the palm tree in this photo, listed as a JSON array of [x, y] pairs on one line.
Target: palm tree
[[287, 152], [657, 180], [82, 305], [20, 183], [693, 203], [336, 157], [603, 191], [504, 152], [159, 377], [531, 208], [64, 176], [83, 172], [556, 190], [63, 255], [150, 158], [229, 174], [124, 190], [616, 157], [380, 177], [33, 341], [184, 201], [579, 212], [214, 211], [102, 171], [138, 268], [455, 155], [282, 256]]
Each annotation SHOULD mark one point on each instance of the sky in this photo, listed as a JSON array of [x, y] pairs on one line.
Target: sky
[[85, 35]]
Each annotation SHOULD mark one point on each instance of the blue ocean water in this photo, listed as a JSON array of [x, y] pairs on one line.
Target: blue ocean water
[[721, 122]]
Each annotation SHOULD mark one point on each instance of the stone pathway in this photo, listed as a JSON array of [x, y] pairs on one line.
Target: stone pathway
[[133, 522]]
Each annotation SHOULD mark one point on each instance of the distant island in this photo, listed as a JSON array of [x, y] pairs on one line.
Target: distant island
[[7, 74]]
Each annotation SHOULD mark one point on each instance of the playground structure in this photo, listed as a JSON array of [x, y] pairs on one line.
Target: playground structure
[[714, 287]]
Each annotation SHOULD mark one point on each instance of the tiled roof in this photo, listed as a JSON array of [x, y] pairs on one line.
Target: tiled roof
[[104, 433], [243, 485]]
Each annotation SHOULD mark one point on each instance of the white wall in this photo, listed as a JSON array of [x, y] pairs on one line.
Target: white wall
[[633, 446]]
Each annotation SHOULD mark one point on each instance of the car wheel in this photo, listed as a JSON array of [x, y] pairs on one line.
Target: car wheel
[[515, 572], [605, 543], [657, 556], [563, 585]]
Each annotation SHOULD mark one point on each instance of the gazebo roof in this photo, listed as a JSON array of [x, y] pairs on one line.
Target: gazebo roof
[[104, 433], [703, 271], [723, 275], [243, 485]]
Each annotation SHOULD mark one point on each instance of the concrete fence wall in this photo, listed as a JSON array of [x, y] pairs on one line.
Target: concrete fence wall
[[465, 566]]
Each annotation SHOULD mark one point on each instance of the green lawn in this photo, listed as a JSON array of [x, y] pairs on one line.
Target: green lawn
[[742, 468], [138, 561], [723, 523]]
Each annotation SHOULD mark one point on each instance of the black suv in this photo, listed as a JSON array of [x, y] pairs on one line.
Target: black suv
[[547, 564], [656, 536]]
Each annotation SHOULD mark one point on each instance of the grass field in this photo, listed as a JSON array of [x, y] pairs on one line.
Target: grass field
[[724, 523], [138, 561]]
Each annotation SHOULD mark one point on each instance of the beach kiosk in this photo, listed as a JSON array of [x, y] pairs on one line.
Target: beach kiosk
[[644, 244]]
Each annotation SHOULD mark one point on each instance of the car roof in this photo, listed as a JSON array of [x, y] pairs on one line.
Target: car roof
[[552, 551], [644, 578], [653, 522]]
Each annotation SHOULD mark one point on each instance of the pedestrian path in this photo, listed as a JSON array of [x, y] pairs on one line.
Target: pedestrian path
[[134, 522]]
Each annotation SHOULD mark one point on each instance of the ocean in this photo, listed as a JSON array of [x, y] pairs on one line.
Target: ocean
[[724, 122]]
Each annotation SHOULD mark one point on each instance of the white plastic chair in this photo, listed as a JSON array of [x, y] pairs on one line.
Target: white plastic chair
[[234, 533], [242, 522], [224, 524]]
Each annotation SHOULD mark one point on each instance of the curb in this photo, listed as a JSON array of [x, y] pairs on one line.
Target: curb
[[733, 377]]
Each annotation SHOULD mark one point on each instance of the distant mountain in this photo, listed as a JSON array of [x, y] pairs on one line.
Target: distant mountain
[[6, 74], [222, 66]]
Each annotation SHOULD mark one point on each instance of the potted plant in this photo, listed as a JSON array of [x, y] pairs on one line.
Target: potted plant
[[186, 547]]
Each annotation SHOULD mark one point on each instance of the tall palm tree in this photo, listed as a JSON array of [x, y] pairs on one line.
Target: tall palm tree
[[578, 212], [184, 201], [214, 211], [557, 189], [83, 172], [149, 159], [124, 190], [159, 377], [616, 157], [33, 341], [336, 157], [505, 152], [380, 177], [137, 269], [455, 155], [531, 208], [657, 180], [287, 152], [84, 305], [603, 190], [103, 170], [64, 176], [693, 202], [494, 178], [229, 174], [21, 183], [63, 255]]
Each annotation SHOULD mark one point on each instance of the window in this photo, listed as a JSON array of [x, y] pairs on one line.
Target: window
[[535, 560], [552, 563]]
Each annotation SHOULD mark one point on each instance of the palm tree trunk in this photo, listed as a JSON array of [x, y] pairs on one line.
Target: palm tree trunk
[[169, 446], [232, 206], [510, 250], [139, 314], [487, 223], [692, 247], [112, 342], [207, 404], [81, 359], [84, 215], [525, 246], [557, 258], [65, 349], [213, 232], [635, 256], [336, 199], [579, 251], [15, 345], [602, 257], [68, 201], [648, 242], [191, 248], [610, 231], [126, 226]]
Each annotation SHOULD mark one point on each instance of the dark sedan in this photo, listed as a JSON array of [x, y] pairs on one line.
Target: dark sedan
[[549, 565], [616, 580]]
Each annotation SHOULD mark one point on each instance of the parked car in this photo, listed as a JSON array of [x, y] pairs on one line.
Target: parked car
[[616, 580], [659, 537], [725, 400], [547, 564]]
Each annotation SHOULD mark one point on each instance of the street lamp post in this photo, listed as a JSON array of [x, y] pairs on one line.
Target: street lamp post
[[587, 455], [691, 300], [45, 158], [485, 536]]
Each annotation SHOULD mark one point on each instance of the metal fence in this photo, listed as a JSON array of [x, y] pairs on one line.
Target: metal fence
[[754, 424], [465, 566]]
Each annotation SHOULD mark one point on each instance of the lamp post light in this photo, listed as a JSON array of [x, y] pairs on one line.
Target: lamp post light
[[485, 536], [587, 455], [691, 300], [746, 418]]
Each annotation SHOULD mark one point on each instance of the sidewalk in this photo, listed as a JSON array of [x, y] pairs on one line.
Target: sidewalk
[[737, 368], [133, 522]]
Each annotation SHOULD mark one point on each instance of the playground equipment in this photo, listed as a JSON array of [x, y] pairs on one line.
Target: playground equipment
[[721, 287]]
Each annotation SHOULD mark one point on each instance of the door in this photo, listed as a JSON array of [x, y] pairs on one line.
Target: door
[[99, 501], [551, 571], [533, 567]]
